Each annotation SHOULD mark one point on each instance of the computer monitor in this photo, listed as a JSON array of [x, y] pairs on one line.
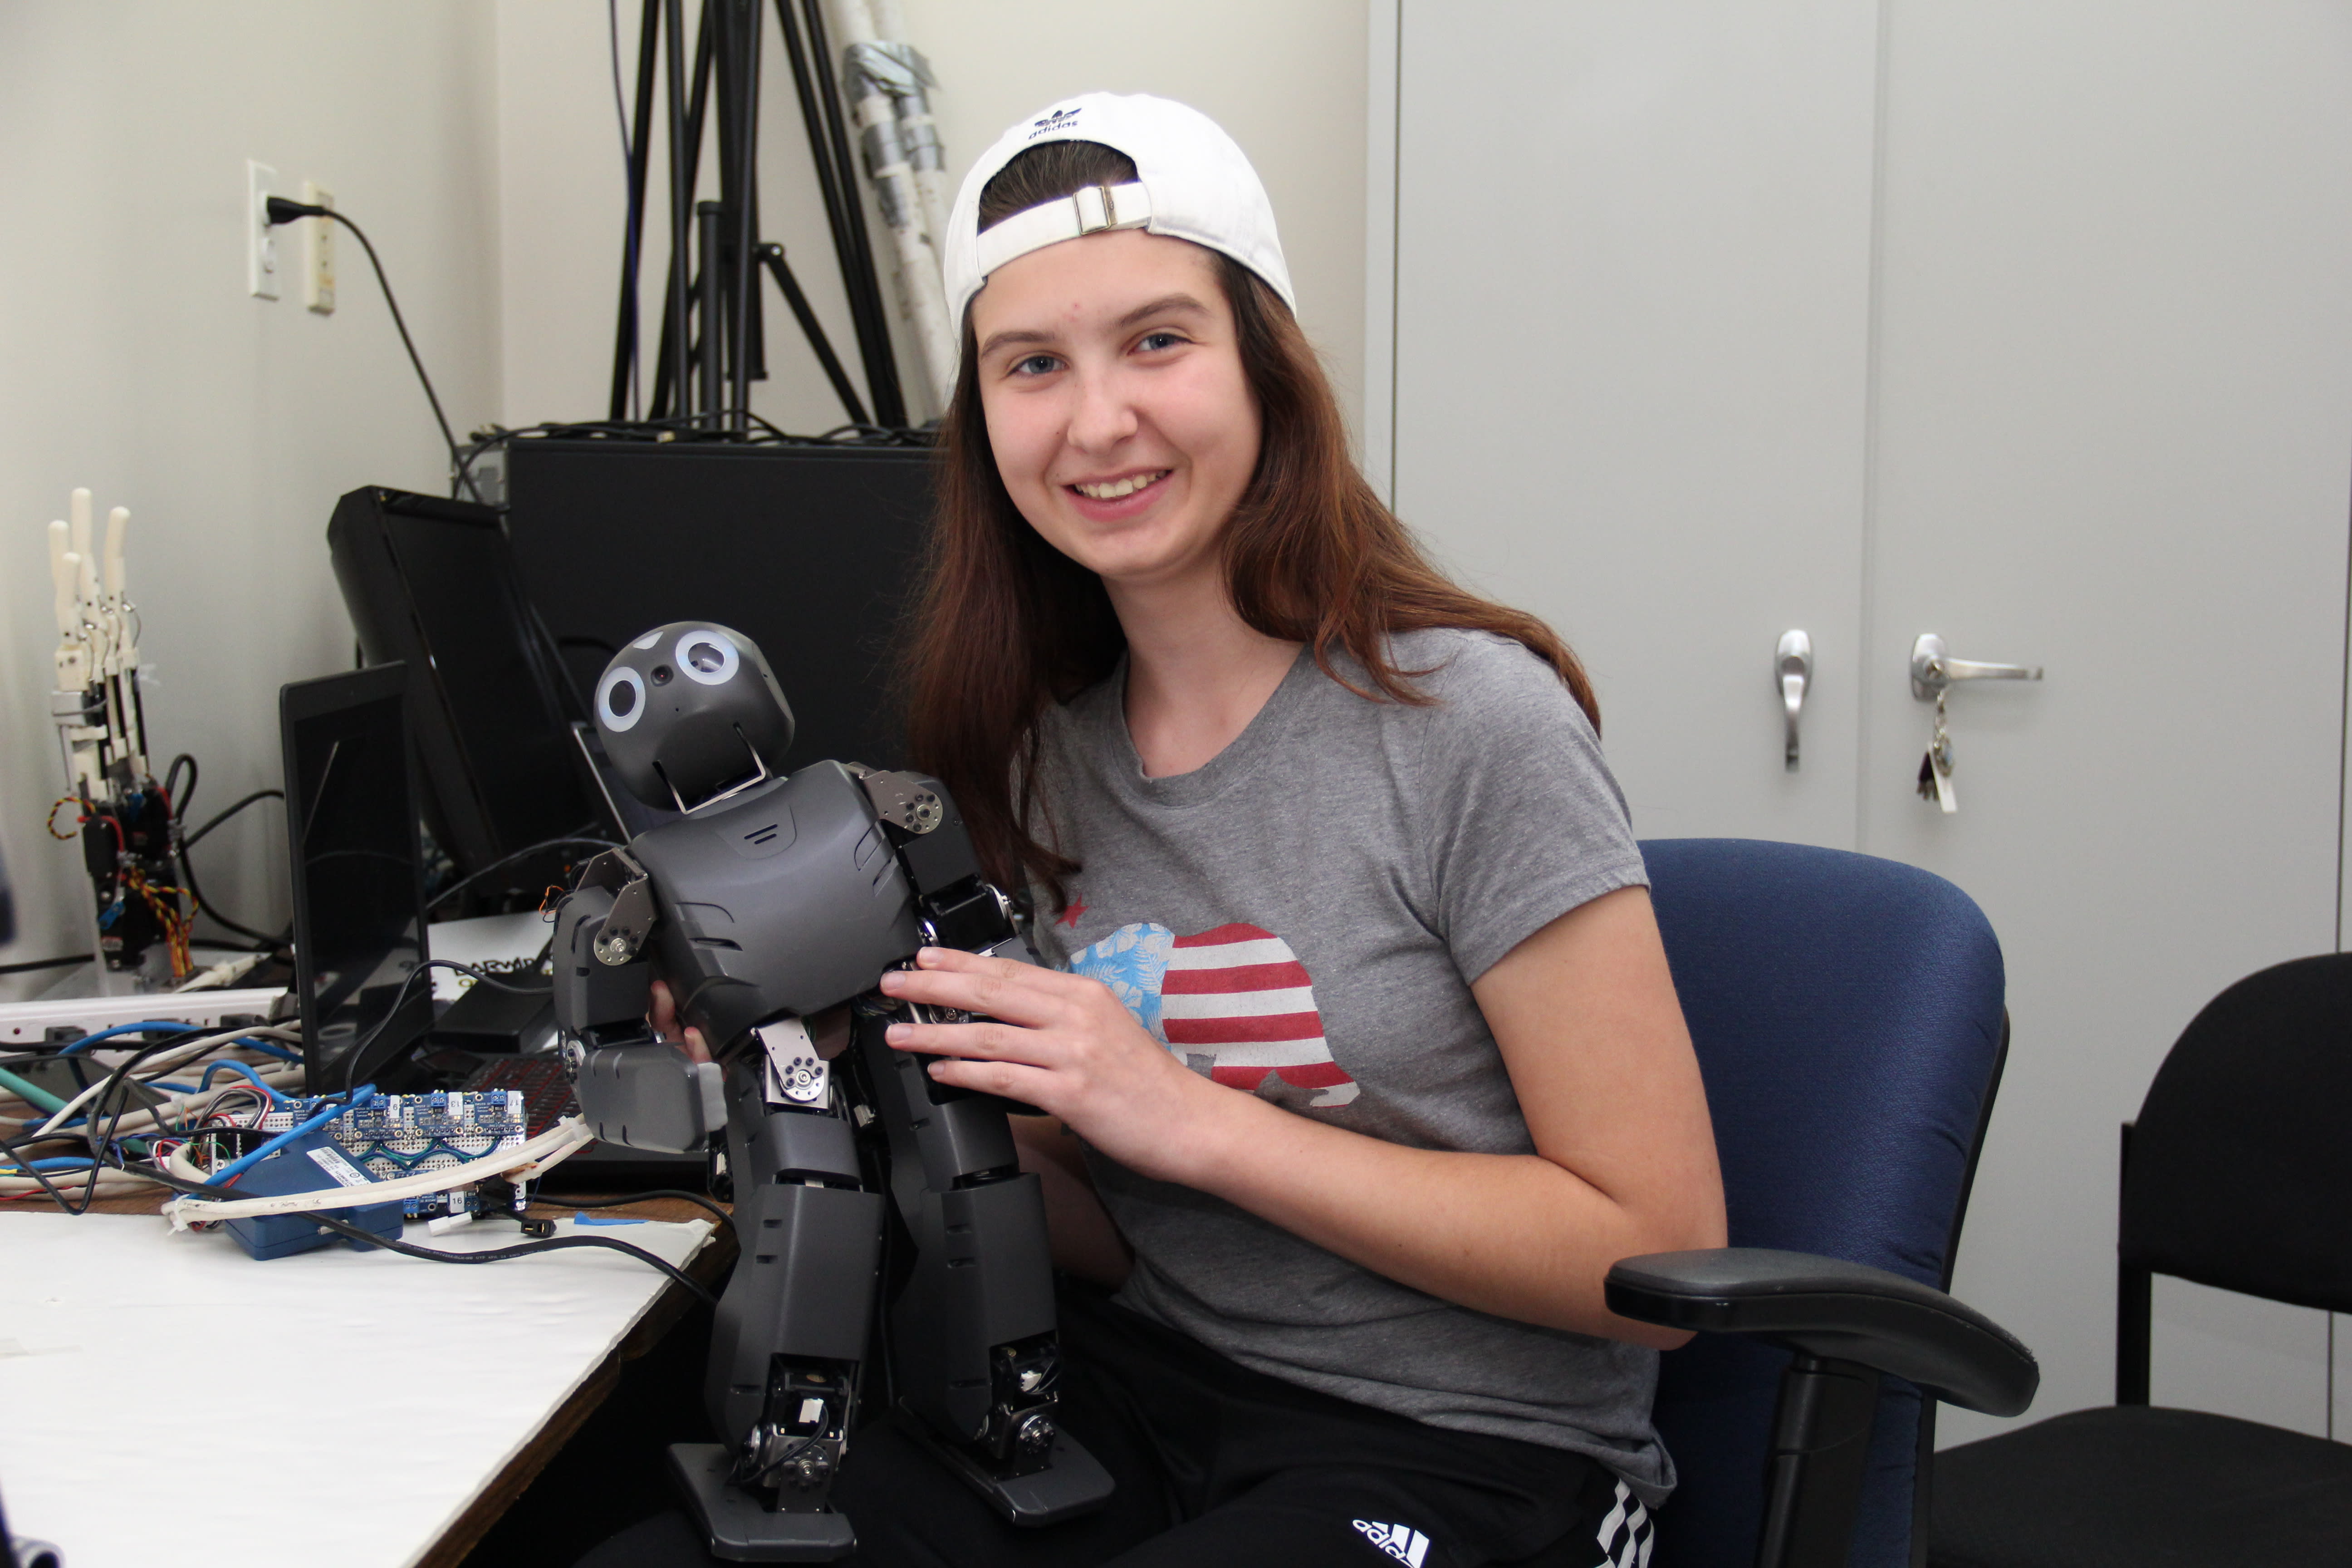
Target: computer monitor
[[358, 872], [809, 550], [432, 582]]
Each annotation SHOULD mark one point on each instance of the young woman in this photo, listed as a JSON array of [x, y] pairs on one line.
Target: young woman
[[1360, 1063]]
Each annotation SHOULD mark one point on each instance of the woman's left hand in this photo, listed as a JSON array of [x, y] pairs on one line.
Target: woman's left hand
[[1064, 1043]]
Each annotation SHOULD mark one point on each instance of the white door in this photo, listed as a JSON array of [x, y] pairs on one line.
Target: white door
[[1599, 418], [2025, 325]]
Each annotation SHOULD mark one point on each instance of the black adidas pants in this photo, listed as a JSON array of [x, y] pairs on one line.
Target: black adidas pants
[[1220, 1466]]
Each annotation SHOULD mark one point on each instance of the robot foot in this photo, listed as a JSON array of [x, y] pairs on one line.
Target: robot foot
[[1073, 1483], [739, 1529]]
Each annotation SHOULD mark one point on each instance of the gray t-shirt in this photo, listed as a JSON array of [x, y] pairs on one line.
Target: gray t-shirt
[[1303, 917]]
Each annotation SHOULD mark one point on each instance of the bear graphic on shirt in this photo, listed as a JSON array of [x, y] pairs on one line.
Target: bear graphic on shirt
[[1233, 1003]]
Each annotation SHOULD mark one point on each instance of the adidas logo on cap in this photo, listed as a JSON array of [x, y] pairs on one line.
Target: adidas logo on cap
[[1402, 1542], [1054, 120]]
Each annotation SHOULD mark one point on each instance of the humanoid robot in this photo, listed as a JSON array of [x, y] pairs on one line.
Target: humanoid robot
[[772, 906]]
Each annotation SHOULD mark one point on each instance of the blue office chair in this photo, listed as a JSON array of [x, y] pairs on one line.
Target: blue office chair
[[1848, 1016]]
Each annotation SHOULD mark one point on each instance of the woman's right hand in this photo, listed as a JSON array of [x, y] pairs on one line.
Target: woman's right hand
[[664, 1018]]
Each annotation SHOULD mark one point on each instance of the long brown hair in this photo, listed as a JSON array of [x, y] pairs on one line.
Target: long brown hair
[[1003, 623]]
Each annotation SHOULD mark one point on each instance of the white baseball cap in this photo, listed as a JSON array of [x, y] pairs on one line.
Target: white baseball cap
[[1193, 182]]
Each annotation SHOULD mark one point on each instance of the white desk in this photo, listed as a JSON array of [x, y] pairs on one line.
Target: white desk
[[167, 1399]]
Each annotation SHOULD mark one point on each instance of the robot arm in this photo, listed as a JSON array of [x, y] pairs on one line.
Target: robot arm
[[634, 1089]]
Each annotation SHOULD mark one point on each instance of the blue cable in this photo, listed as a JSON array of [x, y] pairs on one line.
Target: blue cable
[[280, 1052], [360, 1096], [213, 1071], [127, 1029], [63, 1162]]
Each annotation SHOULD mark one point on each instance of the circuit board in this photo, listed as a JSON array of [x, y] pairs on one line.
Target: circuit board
[[399, 1135]]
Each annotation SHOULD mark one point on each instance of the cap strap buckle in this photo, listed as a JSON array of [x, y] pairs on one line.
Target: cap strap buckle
[[1091, 210]]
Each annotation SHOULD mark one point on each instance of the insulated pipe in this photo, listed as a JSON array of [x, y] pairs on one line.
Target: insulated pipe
[[922, 294], [917, 131]]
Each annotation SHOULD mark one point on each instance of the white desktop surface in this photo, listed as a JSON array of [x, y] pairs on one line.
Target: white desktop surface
[[169, 1400]]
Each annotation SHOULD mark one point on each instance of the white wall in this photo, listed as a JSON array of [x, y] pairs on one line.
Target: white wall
[[135, 362], [480, 146], [1287, 80]]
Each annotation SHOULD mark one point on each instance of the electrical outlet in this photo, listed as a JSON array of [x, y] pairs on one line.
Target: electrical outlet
[[319, 251], [260, 238]]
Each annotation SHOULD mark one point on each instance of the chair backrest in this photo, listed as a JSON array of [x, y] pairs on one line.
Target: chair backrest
[[1848, 1016], [2240, 1173]]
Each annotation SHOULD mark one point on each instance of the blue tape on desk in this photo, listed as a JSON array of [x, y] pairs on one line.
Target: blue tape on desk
[[592, 1219]]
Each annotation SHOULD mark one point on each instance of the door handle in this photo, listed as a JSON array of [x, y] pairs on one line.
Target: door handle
[[1792, 665], [1933, 670]]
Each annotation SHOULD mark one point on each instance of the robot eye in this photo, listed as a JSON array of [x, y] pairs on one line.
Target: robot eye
[[620, 698], [706, 656]]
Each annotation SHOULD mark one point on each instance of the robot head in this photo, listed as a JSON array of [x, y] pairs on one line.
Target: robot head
[[689, 709]]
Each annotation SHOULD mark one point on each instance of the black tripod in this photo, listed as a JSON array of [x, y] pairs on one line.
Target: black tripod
[[712, 343]]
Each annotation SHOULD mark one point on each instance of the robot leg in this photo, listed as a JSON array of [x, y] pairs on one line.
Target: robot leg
[[973, 1334], [788, 1347]]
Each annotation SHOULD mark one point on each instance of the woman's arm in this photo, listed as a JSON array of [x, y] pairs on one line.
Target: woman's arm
[[1085, 1242], [1584, 1011]]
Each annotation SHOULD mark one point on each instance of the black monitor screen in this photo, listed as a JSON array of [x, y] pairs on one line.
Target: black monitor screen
[[807, 551], [432, 582], [358, 901]]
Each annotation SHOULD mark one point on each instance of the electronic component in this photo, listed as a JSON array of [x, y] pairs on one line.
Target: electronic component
[[309, 1164], [416, 1134]]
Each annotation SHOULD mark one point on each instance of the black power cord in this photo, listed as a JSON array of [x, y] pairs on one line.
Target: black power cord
[[219, 818], [156, 1172], [353, 1056], [568, 842], [30, 964], [281, 210]]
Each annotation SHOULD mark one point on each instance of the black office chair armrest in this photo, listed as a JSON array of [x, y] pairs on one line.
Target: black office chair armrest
[[1824, 1307]]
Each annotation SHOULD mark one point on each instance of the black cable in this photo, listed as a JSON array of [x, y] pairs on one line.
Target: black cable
[[284, 211], [462, 883], [191, 840], [30, 964], [154, 1172], [13, 1152], [205, 907], [400, 998], [188, 866], [98, 1108], [173, 793]]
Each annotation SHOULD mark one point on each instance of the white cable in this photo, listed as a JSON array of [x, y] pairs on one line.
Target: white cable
[[549, 1148], [148, 1119], [178, 1056]]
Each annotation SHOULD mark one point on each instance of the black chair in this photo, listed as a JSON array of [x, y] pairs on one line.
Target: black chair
[[2238, 1174], [1848, 1016]]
